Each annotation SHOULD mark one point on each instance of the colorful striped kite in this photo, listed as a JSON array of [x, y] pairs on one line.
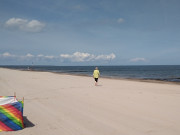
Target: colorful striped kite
[[11, 113]]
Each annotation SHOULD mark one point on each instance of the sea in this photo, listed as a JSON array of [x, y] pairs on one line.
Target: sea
[[168, 73]]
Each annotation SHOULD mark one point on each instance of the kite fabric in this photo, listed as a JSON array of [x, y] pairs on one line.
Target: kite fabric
[[11, 114]]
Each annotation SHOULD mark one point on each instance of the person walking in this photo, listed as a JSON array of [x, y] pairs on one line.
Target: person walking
[[96, 74]]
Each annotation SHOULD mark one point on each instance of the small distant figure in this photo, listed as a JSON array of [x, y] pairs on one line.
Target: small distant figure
[[96, 75]]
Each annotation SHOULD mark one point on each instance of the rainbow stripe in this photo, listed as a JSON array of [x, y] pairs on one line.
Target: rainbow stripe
[[5, 96], [11, 116]]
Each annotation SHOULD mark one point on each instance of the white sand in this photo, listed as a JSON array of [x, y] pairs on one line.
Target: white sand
[[71, 105]]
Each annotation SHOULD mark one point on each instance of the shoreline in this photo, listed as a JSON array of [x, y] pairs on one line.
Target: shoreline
[[105, 77]]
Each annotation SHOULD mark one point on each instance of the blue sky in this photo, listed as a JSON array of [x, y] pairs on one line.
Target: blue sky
[[90, 32]]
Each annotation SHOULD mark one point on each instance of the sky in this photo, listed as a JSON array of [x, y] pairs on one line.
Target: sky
[[90, 32]]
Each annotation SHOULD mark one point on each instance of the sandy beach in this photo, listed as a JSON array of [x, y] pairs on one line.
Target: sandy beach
[[58, 104]]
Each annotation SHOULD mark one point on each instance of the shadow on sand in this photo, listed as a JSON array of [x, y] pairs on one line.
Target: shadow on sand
[[27, 123], [98, 85]]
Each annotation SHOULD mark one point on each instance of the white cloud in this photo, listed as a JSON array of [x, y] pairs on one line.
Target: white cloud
[[33, 26], [106, 57], [25, 25], [49, 57], [65, 56], [82, 57], [6, 55], [40, 55], [120, 20], [29, 55], [16, 22], [75, 57], [138, 59]]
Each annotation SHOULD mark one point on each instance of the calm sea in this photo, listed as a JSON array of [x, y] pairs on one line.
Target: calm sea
[[164, 73]]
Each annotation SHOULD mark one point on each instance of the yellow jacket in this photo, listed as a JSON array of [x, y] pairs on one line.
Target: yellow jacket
[[96, 73]]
